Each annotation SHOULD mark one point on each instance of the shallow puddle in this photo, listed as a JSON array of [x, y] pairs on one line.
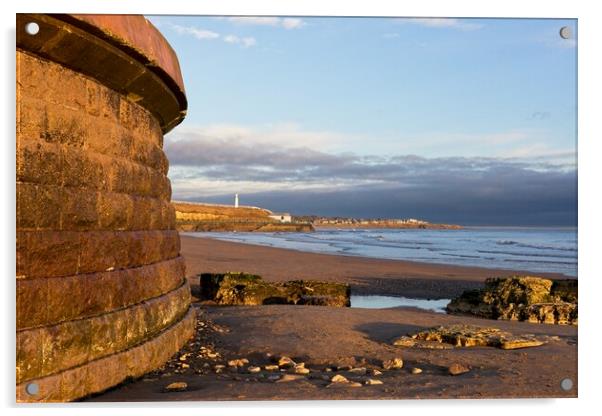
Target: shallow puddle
[[381, 302]]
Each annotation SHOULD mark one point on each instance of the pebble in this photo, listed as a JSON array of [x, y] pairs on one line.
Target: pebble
[[358, 370], [372, 382], [290, 377], [416, 370], [240, 362], [184, 365], [286, 362], [339, 379], [253, 369], [271, 367], [457, 369], [376, 372], [274, 377], [301, 370], [177, 386], [184, 357], [393, 364]]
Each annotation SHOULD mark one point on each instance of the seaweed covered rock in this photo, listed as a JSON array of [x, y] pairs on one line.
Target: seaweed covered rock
[[250, 289], [467, 336], [521, 298]]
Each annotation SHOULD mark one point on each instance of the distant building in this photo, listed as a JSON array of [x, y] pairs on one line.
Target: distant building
[[281, 216]]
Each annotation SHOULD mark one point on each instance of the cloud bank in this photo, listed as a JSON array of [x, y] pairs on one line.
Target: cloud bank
[[290, 176]]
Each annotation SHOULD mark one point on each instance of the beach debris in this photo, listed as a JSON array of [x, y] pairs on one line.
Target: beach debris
[[250, 289], [290, 377], [254, 369], [286, 362], [457, 369], [521, 298], [416, 370], [177, 386], [393, 364], [359, 371], [271, 367], [373, 382], [468, 336]]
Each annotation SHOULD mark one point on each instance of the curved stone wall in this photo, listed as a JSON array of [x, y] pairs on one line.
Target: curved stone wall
[[101, 288]]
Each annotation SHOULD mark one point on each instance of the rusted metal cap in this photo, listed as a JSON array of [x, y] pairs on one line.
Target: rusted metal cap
[[124, 52]]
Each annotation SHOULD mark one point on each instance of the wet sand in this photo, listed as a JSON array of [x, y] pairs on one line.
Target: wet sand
[[367, 276], [328, 337]]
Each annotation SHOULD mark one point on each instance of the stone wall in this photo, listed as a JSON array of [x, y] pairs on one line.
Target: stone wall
[[101, 288]]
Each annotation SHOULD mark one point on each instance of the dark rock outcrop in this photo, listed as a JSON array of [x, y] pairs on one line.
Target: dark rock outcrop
[[249, 289], [521, 298]]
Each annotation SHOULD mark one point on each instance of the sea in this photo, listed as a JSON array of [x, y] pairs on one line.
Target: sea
[[533, 249]]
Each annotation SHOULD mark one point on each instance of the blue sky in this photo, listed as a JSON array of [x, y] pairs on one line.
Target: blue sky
[[312, 107]]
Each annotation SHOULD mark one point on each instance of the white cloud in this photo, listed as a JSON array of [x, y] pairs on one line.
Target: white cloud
[[198, 33], [284, 22], [203, 34], [443, 22]]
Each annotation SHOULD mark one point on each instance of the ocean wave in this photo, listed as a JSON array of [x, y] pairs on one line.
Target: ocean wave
[[535, 246]]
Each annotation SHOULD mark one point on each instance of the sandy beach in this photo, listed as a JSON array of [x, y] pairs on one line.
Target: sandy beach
[[327, 337]]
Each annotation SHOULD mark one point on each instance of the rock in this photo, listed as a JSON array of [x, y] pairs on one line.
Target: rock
[[177, 386], [373, 382], [376, 372], [393, 364], [253, 369], [522, 298], [416, 370], [346, 384], [184, 365], [271, 367], [358, 370], [473, 336], [457, 369], [339, 379], [219, 367], [290, 377], [249, 289], [301, 370], [344, 367], [515, 343], [405, 341], [239, 362], [286, 362], [184, 357], [273, 377]]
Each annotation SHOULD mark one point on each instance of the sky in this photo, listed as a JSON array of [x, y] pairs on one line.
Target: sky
[[471, 121]]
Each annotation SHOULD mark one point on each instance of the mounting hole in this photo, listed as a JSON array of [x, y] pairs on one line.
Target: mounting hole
[[565, 32], [32, 28], [32, 389], [566, 384]]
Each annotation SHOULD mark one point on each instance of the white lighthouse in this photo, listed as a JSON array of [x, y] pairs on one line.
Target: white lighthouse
[[235, 200]]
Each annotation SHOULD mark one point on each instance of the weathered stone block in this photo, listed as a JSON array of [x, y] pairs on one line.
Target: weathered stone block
[[52, 253], [78, 209], [248, 289]]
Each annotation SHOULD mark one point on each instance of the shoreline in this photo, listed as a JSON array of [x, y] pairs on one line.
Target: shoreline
[[366, 275]]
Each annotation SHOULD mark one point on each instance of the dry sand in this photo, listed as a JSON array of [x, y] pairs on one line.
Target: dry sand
[[323, 337]]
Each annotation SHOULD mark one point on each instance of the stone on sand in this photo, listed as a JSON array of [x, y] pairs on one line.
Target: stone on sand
[[457, 369], [393, 364], [176, 386]]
